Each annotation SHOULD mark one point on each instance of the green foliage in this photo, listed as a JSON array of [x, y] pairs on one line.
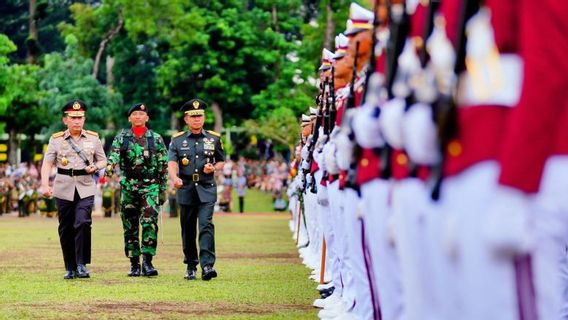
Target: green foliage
[[281, 125], [68, 76], [6, 47], [253, 58]]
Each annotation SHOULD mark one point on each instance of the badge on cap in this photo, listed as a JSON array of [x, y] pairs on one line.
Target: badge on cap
[[76, 106], [142, 107], [195, 104]]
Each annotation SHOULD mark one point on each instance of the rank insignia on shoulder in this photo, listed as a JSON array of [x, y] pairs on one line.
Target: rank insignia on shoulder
[[178, 134], [58, 134], [214, 133], [92, 133]]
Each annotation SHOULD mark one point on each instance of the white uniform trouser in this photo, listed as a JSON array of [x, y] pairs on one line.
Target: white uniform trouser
[[363, 304], [411, 206], [314, 248], [336, 198], [486, 282], [442, 280], [551, 231], [331, 261], [385, 264], [292, 207]]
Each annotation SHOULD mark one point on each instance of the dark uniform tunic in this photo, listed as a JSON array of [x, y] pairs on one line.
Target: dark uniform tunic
[[198, 195]]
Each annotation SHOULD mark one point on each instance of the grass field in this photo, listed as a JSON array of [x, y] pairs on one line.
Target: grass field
[[260, 274]]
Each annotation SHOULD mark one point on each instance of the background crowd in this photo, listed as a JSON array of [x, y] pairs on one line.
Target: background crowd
[[20, 188]]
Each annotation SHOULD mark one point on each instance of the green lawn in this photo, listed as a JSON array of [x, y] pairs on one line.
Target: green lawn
[[255, 201], [260, 274]]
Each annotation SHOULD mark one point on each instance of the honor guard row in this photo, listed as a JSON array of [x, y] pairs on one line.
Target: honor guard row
[[429, 181]]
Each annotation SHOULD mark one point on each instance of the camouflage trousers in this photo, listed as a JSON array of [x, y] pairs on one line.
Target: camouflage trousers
[[140, 208]]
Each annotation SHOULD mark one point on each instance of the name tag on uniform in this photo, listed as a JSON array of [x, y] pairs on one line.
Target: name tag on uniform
[[88, 145], [184, 148]]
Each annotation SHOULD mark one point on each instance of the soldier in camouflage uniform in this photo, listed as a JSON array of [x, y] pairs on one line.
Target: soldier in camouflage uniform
[[142, 156]]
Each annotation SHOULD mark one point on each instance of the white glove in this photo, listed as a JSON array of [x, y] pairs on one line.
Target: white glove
[[390, 120], [344, 153], [508, 230], [322, 197], [367, 127], [321, 142], [329, 160], [421, 135], [309, 179], [318, 157], [305, 165], [305, 152]]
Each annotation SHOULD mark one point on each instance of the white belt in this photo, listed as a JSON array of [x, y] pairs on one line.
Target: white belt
[[500, 84]]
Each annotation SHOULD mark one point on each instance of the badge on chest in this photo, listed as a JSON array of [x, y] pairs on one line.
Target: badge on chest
[[209, 144]]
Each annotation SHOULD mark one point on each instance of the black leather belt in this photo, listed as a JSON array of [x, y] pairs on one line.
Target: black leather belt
[[194, 177], [72, 172]]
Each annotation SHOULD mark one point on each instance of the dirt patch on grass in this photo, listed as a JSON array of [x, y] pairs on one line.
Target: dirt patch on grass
[[128, 309]]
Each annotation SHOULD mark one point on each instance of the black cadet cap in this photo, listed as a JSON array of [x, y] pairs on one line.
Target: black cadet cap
[[74, 108], [137, 107], [194, 107]]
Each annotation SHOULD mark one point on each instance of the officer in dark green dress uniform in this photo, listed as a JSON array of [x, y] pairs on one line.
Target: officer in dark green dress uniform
[[193, 156]]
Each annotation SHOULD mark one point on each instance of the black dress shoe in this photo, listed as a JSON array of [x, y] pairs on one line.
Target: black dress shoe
[[208, 273], [82, 271], [327, 292], [134, 267], [190, 274], [70, 274], [148, 269]]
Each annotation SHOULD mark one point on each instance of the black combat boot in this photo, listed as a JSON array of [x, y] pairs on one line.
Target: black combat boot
[[134, 267], [147, 267]]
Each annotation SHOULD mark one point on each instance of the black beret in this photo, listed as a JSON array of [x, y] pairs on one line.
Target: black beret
[[137, 107], [194, 107], [74, 108]]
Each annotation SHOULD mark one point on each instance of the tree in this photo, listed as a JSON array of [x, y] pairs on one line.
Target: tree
[[68, 76]]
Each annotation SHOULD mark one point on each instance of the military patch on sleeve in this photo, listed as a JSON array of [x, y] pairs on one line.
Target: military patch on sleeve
[[92, 133], [214, 133], [58, 134], [178, 134]]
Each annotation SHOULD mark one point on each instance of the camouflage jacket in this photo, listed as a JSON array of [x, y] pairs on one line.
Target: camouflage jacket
[[143, 161]]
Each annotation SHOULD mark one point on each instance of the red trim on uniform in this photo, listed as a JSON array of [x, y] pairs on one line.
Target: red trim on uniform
[[315, 167], [399, 164], [479, 137], [342, 179], [368, 166], [423, 172]]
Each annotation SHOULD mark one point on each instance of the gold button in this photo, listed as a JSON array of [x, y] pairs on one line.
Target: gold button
[[401, 159], [364, 162], [454, 148]]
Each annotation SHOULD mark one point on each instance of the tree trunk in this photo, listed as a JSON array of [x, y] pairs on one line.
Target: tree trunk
[[13, 146], [33, 36], [218, 113], [329, 27], [104, 43], [275, 18], [109, 75]]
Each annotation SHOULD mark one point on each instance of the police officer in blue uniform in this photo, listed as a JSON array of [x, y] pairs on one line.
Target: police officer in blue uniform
[[193, 158]]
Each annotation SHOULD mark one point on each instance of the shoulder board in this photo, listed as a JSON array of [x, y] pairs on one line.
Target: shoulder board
[[58, 134], [92, 133], [214, 133], [178, 134]]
